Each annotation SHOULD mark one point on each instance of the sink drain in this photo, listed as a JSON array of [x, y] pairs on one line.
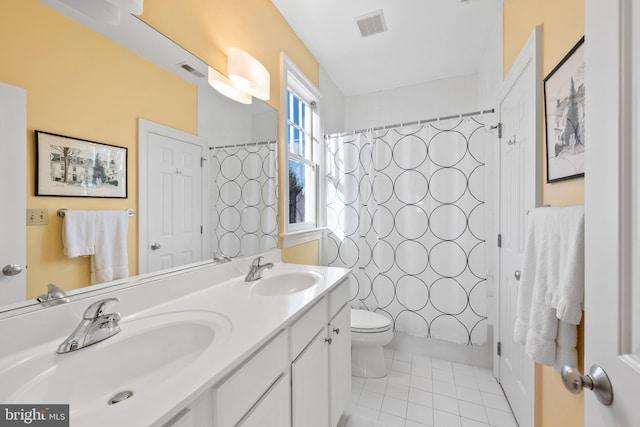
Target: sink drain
[[123, 395]]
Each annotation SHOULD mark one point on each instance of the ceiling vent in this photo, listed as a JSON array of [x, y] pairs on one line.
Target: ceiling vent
[[371, 23], [190, 69]]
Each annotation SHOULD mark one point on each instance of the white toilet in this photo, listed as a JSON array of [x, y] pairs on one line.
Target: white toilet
[[369, 332]]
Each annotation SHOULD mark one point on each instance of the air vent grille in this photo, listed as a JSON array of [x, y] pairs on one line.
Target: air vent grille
[[190, 69], [371, 23]]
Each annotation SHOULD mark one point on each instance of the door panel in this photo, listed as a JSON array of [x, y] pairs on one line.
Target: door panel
[[171, 198], [612, 207], [519, 191], [13, 191]]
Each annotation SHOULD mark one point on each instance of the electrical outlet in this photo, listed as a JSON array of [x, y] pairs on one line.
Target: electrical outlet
[[37, 216]]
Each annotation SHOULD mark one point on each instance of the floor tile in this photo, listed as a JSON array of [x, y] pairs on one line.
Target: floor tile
[[423, 392], [419, 413], [469, 395], [389, 420], [398, 391], [370, 399], [499, 418], [473, 411], [445, 419], [393, 406], [496, 402], [421, 397], [446, 404]]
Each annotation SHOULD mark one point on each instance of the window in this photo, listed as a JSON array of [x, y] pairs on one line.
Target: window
[[303, 150]]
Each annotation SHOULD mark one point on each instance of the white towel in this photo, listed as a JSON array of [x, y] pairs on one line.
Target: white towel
[[110, 260], [78, 233], [552, 277], [101, 234]]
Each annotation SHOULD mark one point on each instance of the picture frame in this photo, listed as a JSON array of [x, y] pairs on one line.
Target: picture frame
[[73, 167], [564, 94]]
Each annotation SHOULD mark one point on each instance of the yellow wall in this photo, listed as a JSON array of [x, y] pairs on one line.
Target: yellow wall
[[207, 28], [562, 26], [80, 84]]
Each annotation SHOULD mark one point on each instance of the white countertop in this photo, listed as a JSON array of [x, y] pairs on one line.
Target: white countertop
[[221, 289]]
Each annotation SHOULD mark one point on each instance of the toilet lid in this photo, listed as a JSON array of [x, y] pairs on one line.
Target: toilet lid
[[368, 321]]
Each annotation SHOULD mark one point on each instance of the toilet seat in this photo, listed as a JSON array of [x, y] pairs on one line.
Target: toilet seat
[[368, 322]]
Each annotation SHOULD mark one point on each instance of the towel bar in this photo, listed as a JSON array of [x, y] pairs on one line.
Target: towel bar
[[61, 212]]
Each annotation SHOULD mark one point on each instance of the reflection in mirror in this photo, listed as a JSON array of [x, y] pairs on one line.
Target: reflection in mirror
[[79, 85]]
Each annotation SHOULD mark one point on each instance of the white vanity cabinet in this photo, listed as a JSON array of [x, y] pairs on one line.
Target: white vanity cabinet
[[321, 367], [300, 378]]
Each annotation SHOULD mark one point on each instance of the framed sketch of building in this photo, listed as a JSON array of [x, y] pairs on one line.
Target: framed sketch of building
[[72, 167], [564, 116]]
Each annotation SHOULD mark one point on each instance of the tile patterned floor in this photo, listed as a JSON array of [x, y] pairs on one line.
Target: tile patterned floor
[[421, 391]]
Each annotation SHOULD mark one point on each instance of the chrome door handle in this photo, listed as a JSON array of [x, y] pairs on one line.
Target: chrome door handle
[[155, 246], [11, 269], [596, 380], [517, 274]]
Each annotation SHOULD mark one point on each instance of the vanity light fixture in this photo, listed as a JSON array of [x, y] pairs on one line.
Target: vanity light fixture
[[225, 86], [248, 73]]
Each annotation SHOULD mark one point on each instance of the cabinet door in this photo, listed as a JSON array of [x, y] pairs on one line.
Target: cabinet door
[[274, 409], [310, 384], [339, 363]]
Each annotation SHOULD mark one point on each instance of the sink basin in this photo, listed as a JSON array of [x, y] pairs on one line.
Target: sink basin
[[149, 351], [285, 282]]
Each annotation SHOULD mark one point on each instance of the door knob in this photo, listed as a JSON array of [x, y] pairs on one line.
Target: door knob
[[329, 340], [336, 331], [517, 274], [155, 246], [11, 269], [596, 380]]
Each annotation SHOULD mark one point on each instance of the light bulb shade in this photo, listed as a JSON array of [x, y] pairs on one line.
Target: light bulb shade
[[130, 6], [226, 87], [248, 73]]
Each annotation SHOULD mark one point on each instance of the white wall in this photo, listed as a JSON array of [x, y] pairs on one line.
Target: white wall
[[331, 105], [438, 98]]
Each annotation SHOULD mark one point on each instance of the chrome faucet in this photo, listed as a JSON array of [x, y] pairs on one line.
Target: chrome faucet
[[95, 327], [220, 258], [255, 272], [54, 296]]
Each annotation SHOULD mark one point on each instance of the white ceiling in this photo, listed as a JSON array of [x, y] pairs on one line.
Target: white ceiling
[[425, 40]]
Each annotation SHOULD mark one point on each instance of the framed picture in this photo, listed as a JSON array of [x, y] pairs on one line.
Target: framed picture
[[564, 116], [72, 167]]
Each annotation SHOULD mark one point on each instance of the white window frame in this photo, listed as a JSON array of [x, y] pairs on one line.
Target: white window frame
[[294, 79]]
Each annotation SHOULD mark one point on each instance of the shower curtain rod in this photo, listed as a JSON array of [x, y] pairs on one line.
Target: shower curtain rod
[[246, 144], [417, 122]]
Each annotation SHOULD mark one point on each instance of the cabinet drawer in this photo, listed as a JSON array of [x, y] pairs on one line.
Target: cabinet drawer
[[236, 395], [274, 409], [303, 331], [338, 297]]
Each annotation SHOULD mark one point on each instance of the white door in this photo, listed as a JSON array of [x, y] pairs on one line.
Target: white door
[[172, 212], [612, 209], [519, 115], [13, 193]]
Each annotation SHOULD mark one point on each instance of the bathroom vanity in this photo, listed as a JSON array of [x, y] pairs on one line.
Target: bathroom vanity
[[198, 346]]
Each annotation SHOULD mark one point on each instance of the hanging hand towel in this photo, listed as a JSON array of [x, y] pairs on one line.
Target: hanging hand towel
[[565, 292], [553, 255], [110, 260], [78, 233]]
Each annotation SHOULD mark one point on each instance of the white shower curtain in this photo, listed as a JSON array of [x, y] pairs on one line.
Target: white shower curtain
[[406, 212], [244, 198]]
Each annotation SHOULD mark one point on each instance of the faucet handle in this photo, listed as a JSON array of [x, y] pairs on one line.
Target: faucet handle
[[256, 261], [96, 309]]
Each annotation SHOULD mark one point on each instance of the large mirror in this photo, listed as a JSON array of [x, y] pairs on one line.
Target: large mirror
[[89, 80]]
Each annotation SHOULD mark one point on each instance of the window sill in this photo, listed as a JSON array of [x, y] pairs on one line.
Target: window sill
[[303, 236]]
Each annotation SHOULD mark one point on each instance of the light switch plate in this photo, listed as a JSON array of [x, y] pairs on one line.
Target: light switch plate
[[37, 216]]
